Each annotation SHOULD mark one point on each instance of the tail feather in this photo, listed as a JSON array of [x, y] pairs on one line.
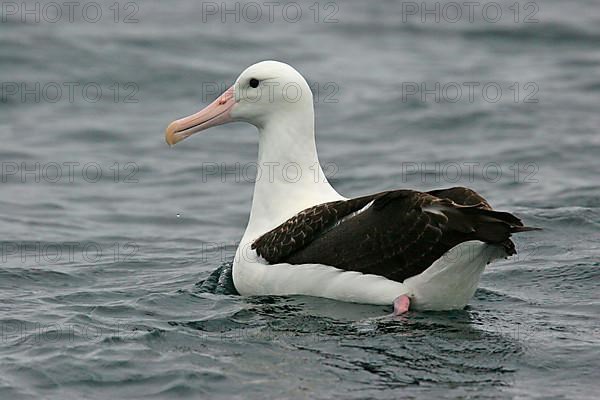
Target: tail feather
[[470, 217], [517, 229], [487, 225], [495, 215]]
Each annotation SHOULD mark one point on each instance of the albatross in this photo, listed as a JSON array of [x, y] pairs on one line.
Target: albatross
[[404, 248]]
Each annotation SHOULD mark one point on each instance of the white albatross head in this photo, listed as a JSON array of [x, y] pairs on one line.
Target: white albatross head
[[265, 92], [276, 99]]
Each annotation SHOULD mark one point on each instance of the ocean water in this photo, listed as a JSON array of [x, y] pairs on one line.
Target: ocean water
[[107, 234]]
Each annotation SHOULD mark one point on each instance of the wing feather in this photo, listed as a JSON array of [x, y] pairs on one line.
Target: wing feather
[[396, 234]]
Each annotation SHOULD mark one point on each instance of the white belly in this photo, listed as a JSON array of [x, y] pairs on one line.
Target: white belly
[[252, 276], [449, 283]]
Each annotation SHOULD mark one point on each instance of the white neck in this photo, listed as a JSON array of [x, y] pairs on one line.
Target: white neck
[[291, 177]]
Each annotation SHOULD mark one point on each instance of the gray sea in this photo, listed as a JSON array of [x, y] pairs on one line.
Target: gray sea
[[108, 236]]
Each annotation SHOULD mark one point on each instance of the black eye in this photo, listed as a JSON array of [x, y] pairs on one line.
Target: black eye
[[254, 83]]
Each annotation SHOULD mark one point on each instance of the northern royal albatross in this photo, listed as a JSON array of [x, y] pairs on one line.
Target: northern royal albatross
[[423, 250]]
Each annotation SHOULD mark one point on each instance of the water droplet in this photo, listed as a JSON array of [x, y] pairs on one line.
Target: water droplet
[[178, 215]]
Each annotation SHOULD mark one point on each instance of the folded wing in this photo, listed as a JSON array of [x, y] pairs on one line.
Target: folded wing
[[396, 234]]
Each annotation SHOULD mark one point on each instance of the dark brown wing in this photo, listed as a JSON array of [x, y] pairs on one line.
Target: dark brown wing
[[396, 234], [461, 195], [300, 230], [468, 197]]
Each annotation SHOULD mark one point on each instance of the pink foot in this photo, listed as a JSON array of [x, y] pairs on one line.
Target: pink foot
[[401, 304]]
